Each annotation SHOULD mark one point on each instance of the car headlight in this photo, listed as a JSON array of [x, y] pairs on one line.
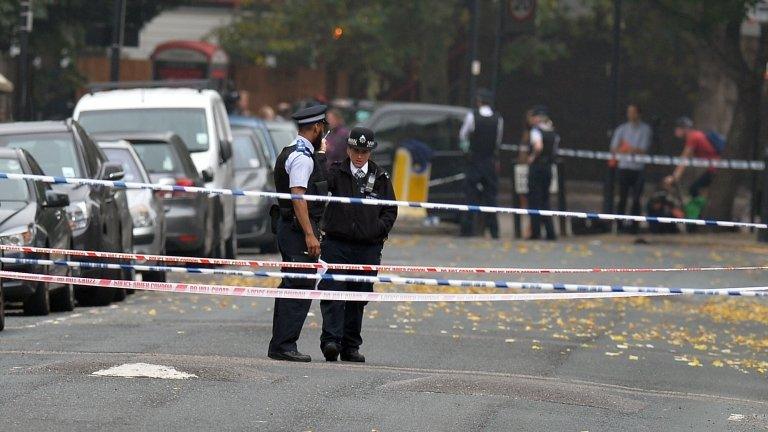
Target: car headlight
[[78, 215], [141, 216], [21, 236]]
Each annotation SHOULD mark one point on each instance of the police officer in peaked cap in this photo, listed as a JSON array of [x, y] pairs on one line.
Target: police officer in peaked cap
[[353, 234], [299, 170]]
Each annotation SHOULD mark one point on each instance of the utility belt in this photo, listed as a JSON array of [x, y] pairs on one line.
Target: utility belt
[[277, 213]]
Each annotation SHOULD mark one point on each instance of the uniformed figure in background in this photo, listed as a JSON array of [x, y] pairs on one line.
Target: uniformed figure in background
[[354, 234], [544, 144], [299, 169], [483, 128]]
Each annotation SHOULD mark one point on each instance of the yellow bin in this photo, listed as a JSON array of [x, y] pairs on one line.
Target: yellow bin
[[409, 184]]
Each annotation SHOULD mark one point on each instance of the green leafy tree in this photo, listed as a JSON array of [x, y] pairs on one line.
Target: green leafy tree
[[713, 32], [377, 42]]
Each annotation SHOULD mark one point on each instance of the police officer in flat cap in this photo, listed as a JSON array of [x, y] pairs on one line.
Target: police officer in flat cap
[[299, 170], [354, 234]]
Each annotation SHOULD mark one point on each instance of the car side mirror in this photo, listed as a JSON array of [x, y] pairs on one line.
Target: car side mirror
[[207, 175], [112, 171], [226, 150], [56, 199]]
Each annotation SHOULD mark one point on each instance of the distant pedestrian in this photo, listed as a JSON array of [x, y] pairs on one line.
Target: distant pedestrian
[[283, 111], [544, 144], [630, 139], [267, 113], [336, 141], [483, 128]]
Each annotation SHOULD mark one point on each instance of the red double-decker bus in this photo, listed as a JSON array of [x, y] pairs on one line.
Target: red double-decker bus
[[183, 59]]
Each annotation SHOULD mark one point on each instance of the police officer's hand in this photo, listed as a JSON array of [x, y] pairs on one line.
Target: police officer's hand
[[313, 245]]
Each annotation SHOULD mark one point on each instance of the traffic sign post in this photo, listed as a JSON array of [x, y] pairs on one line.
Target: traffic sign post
[[519, 16]]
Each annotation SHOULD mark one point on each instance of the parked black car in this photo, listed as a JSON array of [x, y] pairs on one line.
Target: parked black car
[[32, 214], [438, 127], [62, 148], [253, 172]]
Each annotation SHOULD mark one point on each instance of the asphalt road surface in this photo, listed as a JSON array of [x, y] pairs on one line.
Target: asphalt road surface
[[566, 365]]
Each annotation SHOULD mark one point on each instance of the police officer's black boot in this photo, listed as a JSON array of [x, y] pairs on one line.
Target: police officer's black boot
[[331, 351], [293, 356], [352, 356]]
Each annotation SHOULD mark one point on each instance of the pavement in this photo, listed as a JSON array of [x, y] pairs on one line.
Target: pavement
[[662, 363]]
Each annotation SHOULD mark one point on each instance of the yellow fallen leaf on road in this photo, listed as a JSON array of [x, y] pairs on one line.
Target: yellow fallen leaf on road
[[152, 312], [633, 357], [717, 363]]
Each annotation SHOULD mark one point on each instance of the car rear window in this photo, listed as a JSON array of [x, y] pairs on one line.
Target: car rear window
[[13, 190], [159, 158], [124, 157], [190, 124], [54, 152], [246, 154]]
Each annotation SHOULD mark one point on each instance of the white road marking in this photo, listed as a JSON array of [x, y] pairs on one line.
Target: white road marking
[[144, 370]]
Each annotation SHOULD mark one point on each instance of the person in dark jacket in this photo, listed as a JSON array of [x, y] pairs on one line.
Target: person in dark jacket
[[354, 234]]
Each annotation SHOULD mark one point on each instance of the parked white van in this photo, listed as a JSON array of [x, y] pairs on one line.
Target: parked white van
[[197, 116]]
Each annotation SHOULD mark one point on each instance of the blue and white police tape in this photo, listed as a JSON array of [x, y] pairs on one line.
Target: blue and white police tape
[[378, 202], [663, 160], [263, 292], [398, 280]]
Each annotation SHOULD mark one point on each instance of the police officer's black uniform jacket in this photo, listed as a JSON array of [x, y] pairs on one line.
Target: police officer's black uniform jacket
[[366, 224]]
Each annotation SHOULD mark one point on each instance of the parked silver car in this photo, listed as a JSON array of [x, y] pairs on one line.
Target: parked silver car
[[253, 172], [145, 206]]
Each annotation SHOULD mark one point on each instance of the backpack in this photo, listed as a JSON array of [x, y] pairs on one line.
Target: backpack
[[717, 140]]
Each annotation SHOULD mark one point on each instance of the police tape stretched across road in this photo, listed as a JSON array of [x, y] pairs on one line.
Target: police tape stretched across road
[[757, 291], [366, 267], [379, 202], [263, 292], [662, 160]]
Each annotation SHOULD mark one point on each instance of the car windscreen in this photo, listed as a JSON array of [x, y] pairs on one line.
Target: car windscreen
[[13, 190], [54, 152], [245, 153], [282, 138], [189, 124], [125, 158], [159, 158]]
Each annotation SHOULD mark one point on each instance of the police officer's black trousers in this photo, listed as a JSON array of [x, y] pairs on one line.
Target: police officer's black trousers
[[539, 180], [343, 321], [289, 314], [481, 188]]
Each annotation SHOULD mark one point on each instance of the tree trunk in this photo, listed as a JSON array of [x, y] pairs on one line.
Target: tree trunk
[[743, 137]]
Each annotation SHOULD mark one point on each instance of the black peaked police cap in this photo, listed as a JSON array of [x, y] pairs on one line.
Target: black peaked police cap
[[309, 115]]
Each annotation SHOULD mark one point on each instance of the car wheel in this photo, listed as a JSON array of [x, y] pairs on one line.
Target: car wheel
[[2, 309], [154, 276], [39, 303], [230, 247], [63, 300], [120, 294]]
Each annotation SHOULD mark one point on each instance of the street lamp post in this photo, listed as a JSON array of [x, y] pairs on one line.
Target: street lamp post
[[118, 23], [25, 27]]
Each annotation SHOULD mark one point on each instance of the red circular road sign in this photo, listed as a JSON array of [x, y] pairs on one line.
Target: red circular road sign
[[521, 10]]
